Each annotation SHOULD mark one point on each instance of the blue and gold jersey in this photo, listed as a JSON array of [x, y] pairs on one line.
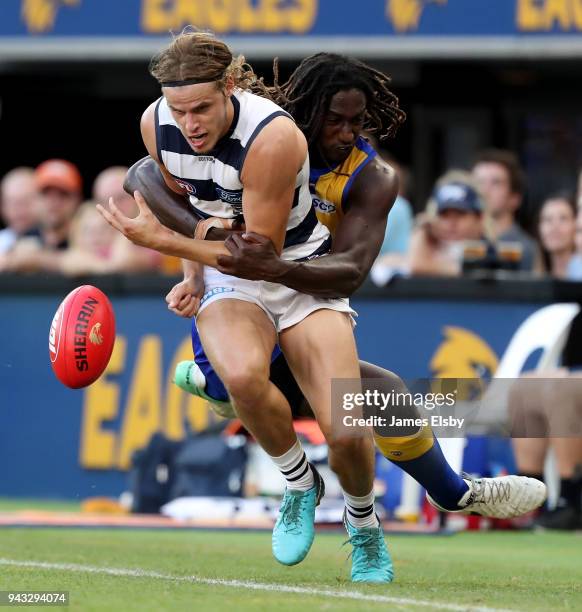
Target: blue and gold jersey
[[330, 188]]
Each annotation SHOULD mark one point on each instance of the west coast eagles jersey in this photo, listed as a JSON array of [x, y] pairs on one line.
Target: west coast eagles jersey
[[330, 188]]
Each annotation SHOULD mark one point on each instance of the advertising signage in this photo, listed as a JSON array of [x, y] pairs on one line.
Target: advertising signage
[[423, 28]]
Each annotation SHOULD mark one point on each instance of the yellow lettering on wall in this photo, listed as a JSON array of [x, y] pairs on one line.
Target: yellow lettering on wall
[[302, 17], [577, 12], [529, 15], [40, 15], [247, 20], [221, 16], [532, 16], [272, 18], [101, 403], [558, 11], [143, 411], [189, 12], [181, 405], [155, 16], [198, 414]]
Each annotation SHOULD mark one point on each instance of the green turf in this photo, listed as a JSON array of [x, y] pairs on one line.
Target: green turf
[[500, 570], [9, 504]]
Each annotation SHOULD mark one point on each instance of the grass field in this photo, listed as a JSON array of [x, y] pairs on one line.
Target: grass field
[[7, 504], [186, 570]]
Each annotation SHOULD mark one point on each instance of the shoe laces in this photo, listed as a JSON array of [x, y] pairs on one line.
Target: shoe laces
[[489, 490], [369, 544], [291, 513]]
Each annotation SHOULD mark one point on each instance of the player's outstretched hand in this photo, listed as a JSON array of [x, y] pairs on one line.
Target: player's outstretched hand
[[184, 298], [144, 230], [253, 257]]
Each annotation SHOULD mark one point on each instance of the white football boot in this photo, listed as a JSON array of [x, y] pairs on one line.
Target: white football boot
[[501, 497]]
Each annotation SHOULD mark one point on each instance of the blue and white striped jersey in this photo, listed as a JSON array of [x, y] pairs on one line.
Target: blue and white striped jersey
[[213, 182]]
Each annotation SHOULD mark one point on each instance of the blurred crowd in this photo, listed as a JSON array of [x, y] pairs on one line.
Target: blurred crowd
[[48, 226], [469, 223]]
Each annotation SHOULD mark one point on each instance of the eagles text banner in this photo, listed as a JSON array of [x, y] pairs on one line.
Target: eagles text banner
[[294, 27]]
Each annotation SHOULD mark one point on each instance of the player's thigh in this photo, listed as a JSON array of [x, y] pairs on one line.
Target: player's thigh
[[318, 349], [237, 336]]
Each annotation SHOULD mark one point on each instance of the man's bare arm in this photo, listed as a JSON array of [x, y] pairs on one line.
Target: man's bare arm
[[268, 178], [166, 199], [269, 175], [171, 208], [145, 229], [356, 244]]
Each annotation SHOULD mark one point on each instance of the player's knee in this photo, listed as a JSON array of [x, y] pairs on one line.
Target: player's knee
[[246, 382]]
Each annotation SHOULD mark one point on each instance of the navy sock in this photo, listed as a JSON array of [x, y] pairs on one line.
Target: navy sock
[[570, 493], [432, 471]]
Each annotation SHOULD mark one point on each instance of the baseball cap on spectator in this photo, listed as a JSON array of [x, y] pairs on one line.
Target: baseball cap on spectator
[[58, 173], [457, 196]]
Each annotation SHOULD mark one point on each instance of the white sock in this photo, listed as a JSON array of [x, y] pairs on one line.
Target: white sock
[[294, 467], [361, 511]]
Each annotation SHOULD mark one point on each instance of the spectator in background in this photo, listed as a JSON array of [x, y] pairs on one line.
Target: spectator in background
[[125, 256], [91, 243], [574, 269], [546, 407], [579, 190], [545, 410], [400, 219], [18, 206], [501, 182], [95, 247], [557, 231], [109, 184], [59, 187], [454, 216], [61, 190]]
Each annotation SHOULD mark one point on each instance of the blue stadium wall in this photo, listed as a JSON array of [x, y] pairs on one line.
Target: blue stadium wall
[[293, 27], [63, 443]]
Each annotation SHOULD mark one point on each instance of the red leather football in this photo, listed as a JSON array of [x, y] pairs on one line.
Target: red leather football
[[82, 336]]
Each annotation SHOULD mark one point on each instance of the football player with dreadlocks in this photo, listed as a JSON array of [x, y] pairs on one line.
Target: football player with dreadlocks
[[333, 99]]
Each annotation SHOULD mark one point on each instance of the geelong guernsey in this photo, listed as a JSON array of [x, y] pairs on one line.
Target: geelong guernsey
[[212, 180]]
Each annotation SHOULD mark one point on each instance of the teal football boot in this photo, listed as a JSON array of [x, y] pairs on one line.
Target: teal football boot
[[190, 378], [371, 560], [295, 529]]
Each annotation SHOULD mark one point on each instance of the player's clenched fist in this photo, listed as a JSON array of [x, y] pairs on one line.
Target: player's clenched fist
[[184, 298]]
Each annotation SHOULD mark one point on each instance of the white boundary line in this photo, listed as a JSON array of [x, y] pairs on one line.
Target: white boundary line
[[256, 586]]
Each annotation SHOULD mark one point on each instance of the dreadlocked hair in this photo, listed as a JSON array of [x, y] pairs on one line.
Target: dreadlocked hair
[[308, 92]]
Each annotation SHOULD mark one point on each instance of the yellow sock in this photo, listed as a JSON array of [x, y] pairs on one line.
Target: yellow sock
[[406, 448]]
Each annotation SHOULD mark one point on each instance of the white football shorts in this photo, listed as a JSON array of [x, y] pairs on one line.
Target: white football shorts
[[284, 306]]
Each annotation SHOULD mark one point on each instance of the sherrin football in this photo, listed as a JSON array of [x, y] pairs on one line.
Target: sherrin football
[[81, 337]]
